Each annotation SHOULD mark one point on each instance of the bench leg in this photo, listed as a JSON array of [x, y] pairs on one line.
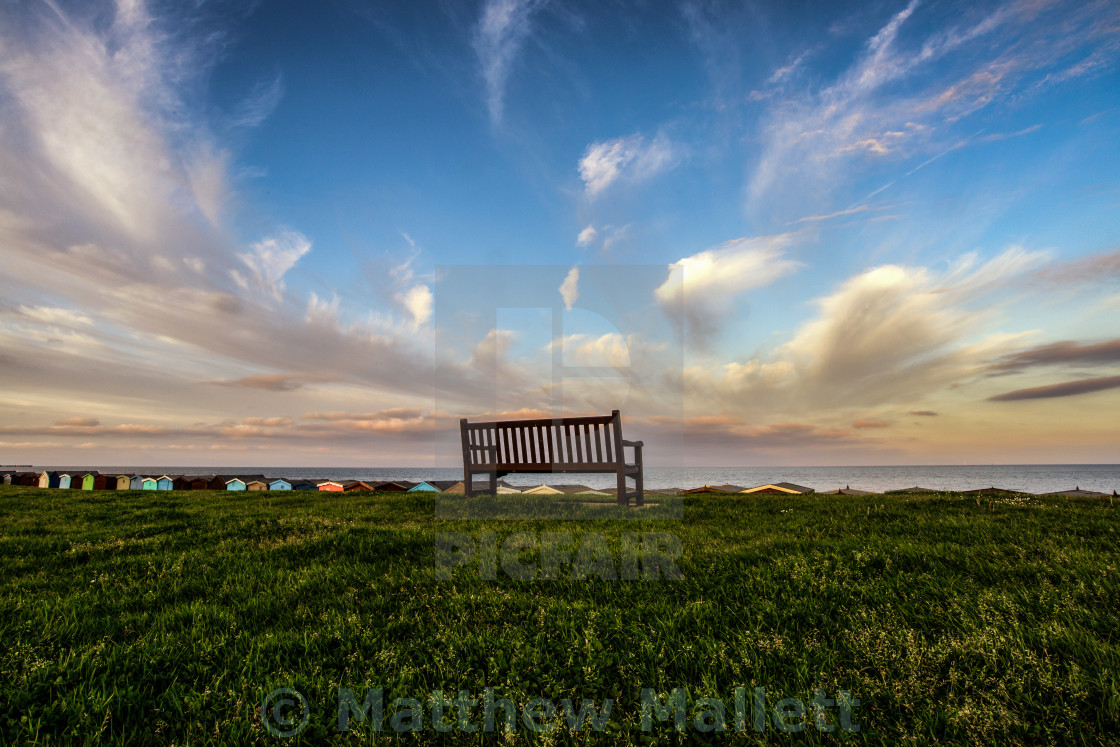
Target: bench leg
[[467, 491], [640, 500], [623, 499], [493, 483]]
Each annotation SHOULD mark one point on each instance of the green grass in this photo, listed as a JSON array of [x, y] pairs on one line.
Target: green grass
[[163, 618]]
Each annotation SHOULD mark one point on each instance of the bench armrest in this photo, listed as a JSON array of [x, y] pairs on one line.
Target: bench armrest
[[639, 444]]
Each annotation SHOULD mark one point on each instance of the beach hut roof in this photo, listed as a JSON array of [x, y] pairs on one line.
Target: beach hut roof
[[542, 489], [1079, 493], [357, 485], [1000, 491], [396, 486], [849, 491], [779, 487], [443, 484], [578, 490], [724, 488]]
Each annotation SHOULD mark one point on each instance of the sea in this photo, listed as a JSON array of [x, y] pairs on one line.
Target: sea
[[1028, 478]]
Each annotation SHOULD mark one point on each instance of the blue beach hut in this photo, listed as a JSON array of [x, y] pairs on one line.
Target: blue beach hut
[[279, 484], [64, 481], [235, 484], [136, 482], [150, 483], [163, 482], [423, 487]]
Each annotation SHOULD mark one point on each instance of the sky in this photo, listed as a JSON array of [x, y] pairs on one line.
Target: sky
[[777, 233]]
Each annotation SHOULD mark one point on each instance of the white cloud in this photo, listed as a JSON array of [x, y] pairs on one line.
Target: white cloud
[[609, 349], [270, 259], [501, 32], [890, 335], [633, 158], [569, 289], [587, 236], [703, 286], [418, 302]]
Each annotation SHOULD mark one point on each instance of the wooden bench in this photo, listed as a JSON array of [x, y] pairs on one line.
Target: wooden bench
[[589, 444]]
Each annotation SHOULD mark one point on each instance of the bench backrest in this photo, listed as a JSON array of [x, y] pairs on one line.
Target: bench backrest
[[584, 442]]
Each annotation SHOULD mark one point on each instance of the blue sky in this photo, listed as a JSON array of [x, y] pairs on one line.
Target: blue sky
[[864, 233]]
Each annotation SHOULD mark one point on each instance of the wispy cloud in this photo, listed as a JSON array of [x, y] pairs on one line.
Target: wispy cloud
[[703, 286], [1066, 352], [270, 259], [280, 382], [499, 37], [254, 109], [811, 138], [569, 289], [632, 158], [1065, 389]]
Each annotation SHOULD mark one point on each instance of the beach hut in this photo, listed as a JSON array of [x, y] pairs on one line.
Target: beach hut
[[136, 482], [356, 485], [256, 485], [104, 482], [423, 487], [64, 481], [165, 482], [217, 482], [914, 489], [578, 490], [123, 482], [53, 480], [6, 478], [787, 488], [304, 485], [447, 486], [44, 479], [721, 488], [542, 489], [1077, 492], [849, 490], [331, 486], [235, 484], [279, 483], [29, 479], [993, 490], [398, 486], [182, 482], [87, 481], [149, 483]]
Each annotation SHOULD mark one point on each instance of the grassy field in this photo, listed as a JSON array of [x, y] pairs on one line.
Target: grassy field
[[165, 618]]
